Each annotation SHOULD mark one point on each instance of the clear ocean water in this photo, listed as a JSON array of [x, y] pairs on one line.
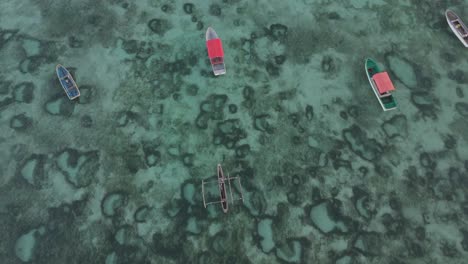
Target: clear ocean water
[[327, 176]]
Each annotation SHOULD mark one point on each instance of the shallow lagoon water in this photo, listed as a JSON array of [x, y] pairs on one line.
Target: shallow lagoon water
[[328, 177]]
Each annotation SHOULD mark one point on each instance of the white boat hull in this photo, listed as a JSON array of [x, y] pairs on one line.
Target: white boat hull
[[464, 41]]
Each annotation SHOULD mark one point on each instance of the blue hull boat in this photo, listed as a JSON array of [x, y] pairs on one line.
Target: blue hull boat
[[67, 82]]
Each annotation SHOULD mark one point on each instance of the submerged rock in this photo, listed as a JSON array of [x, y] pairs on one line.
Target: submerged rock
[[397, 126], [113, 202], [60, 105], [20, 122], [159, 26], [79, 168], [366, 148], [462, 109], [403, 70], [290, 252], [23, 92]]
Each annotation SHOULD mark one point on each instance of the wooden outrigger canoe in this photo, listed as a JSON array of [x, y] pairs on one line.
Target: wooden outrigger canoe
[[221, 182]]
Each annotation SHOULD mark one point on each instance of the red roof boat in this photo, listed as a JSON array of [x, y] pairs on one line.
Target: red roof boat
[[215, 52]]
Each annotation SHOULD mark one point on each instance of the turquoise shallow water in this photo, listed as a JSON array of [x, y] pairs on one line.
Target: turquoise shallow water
[[327, 176]]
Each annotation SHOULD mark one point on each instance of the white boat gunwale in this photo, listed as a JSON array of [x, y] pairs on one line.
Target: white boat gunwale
[[374, 87], [70, 77], [452, 18]]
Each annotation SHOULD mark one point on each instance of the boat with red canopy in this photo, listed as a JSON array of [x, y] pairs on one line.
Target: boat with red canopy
[[215, 52], [381, 85]]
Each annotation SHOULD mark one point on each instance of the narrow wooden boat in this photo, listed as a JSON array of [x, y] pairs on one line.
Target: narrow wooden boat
[[67, 82], [457, 26], [222, 189], [215, 52], [221, 183], [381, 85]]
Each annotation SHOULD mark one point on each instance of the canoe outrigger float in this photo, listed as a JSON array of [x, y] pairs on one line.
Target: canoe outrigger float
[[457, 26], [67, 82], [381, 85], [215, 52], [221, 181]]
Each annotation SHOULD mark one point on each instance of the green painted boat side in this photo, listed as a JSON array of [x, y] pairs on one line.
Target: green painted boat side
[[387, 102]]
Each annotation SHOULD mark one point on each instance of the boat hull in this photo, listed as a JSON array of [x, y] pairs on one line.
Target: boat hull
[[222, 189], [67, 82], [388, 102], [215, 52], [451, 17]]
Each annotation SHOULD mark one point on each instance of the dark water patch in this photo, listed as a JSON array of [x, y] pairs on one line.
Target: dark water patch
[[397, 126], [362, 203], [394, 226], [113, 203], [261, 123], [215, 10], [6, 36], [427, 104], [370, 244], [277, 32], [292, 250], [134, 163], [86, 121], [426, 160], [59, 105], [74, 42], [459, 92], [462, 109], [464, 242], [327, 217], [228, 133], [142, 214], [167, 8], [357, 140], [192, 90], [31, 64], [32, 170], [24, 92], [188, 159], [272, 69], [459, 76], [21, 122], [280, 59], [159, 26], [168, 244], [188, 8], [79, 168]]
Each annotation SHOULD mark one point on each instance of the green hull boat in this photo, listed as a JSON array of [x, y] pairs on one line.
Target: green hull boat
[[381, 85]]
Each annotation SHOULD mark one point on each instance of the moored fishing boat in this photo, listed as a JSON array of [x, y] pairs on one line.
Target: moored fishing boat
[[215, 52], [67, 82], [457, 26], [381, 85], [222, 190]]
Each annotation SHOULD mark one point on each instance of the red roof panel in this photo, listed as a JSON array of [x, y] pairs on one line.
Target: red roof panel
[[383, 82], [215, 48]]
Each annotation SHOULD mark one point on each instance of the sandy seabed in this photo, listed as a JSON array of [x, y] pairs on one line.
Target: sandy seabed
[[327, 176]]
